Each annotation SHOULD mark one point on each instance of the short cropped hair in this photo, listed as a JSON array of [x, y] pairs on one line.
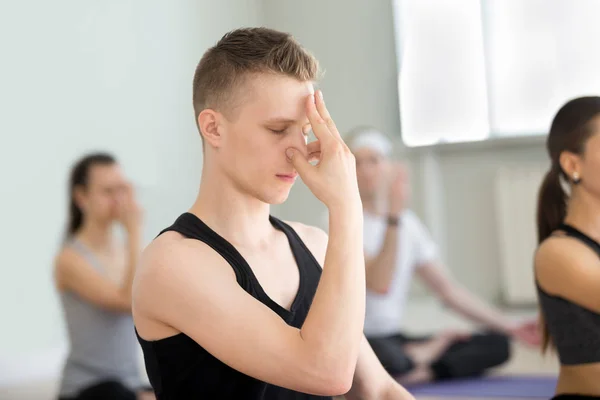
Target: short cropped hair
[[241, 52]]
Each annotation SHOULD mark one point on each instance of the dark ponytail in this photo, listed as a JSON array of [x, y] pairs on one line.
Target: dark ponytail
[[75, 217], [551, 211], [569, 132], [552, 204], [79, 179]]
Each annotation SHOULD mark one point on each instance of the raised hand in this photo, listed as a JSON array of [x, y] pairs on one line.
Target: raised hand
[[527, 332], [333, 179], [398, 189], [130, 214]]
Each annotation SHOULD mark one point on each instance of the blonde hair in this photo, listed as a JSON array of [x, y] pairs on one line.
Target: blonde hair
[[240, 53]]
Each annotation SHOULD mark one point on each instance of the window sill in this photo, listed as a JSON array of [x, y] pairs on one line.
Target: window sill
[[487, 144]]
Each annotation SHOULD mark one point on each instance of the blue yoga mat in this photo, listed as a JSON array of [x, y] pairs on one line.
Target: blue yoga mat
[[534, 387]]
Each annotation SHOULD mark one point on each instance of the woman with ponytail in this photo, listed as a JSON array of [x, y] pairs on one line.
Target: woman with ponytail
[[94, 275], [567, 262]]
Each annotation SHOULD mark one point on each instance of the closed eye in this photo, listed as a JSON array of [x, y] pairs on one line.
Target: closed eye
[[277, 131]]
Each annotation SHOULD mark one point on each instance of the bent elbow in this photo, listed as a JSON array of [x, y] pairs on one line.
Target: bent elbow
[[341, 387], [119, 303], [328, 376], [339, 376], [328, 368], [126, 303], [336, 384]]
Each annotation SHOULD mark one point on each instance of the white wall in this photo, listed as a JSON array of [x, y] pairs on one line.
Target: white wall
[[469, 238], [79, 76]]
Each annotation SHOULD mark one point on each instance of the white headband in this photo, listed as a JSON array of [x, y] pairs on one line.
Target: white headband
[[373, 140]]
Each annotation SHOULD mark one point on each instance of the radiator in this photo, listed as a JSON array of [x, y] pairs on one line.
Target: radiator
[[516, 190]]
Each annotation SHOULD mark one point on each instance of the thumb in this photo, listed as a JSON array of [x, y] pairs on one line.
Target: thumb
[[299, 162]]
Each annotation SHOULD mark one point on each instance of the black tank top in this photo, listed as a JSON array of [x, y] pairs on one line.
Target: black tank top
[[574, 330], [179, 368]]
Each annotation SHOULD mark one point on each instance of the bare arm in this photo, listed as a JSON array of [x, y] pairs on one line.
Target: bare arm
[[460, 299], [380, 269], [75, 274], [335, 321], [371, 380], [566, 267]]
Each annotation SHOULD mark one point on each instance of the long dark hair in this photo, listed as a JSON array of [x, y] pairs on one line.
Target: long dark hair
[[79, 179], [569, 131]]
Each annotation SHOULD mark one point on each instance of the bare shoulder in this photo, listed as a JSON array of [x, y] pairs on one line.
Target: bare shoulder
[[562, 250], [65, 262], [561, 258], [314, 237], [65, 257], [170, 261]]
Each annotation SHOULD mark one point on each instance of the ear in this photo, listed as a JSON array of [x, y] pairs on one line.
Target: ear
[[79, 196], [209, 124], [571, 165]]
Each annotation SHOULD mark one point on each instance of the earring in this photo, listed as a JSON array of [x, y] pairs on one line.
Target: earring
[[576, 178]]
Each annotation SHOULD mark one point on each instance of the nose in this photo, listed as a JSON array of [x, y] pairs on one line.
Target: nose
[[298, 140], [114, 201]]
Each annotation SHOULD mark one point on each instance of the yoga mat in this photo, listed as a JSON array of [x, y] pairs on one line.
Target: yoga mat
[[534, 387]]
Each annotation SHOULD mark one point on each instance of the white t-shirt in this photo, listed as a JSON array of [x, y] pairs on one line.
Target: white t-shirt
[[415, 248]]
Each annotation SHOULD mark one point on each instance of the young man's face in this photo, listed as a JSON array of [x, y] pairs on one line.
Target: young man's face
[[271, 119]]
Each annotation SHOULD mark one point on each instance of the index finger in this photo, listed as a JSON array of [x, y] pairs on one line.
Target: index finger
[[324, 113], [317, 123]]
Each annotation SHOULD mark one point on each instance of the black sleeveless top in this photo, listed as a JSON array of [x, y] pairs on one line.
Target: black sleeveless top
[[575, 330], [179, 368]]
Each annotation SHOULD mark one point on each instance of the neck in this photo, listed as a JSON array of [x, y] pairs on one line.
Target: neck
[[583, 212], [97, 235], [238, 217]]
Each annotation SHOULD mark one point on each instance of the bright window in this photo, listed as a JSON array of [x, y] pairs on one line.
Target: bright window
[[476, 69]]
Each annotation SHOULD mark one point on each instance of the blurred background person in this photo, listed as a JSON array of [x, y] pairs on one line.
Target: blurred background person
[[94, 273], [397, 244]]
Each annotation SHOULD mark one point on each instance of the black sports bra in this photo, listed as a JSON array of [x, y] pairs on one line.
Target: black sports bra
[[574, 330]]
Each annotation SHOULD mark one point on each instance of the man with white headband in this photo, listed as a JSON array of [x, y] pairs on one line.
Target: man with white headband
[[396, 244]]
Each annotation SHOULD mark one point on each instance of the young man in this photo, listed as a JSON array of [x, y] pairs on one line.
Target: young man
[[396, 244], [230, 302]]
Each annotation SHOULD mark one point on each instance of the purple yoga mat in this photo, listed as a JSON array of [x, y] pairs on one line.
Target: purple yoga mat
[[535, 387]]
